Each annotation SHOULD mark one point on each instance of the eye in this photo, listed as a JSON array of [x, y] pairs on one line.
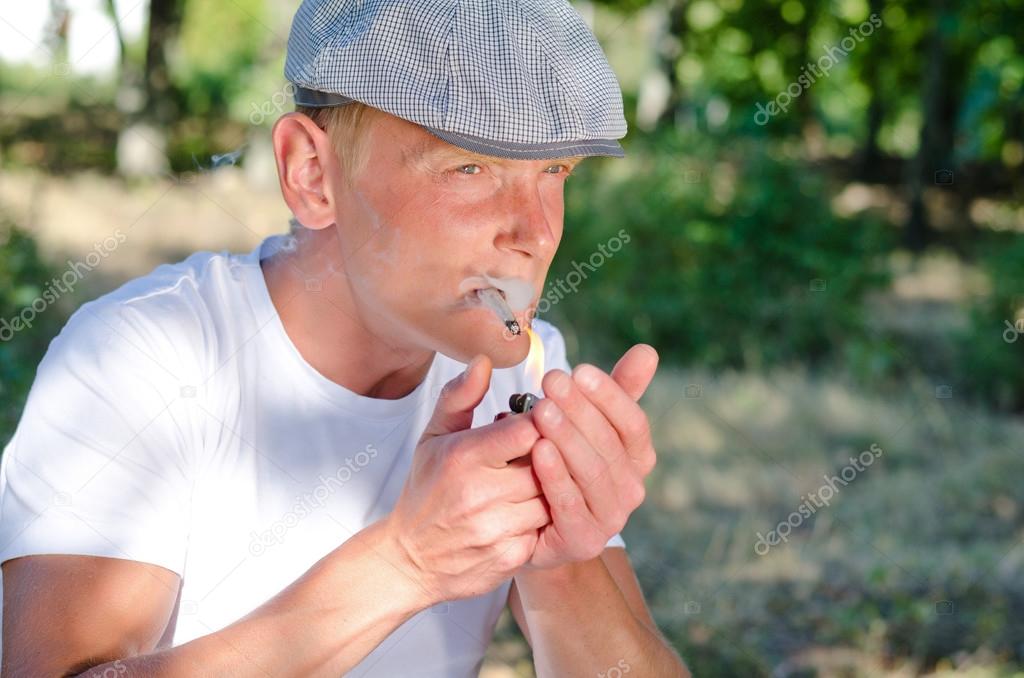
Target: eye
[[461, 169], [557, 168]]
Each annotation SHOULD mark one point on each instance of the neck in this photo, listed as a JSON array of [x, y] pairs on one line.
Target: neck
[[310, 290]]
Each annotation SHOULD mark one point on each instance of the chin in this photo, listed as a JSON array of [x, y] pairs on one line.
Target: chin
[[503, 350], [508, 352]]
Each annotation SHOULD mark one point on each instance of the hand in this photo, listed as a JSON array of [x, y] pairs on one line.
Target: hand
[[467, 518], [594, 453]]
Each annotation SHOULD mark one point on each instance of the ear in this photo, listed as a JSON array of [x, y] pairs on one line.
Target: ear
[[306, 169]]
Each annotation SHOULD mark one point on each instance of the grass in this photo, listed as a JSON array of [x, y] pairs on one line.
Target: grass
[[915, 567]]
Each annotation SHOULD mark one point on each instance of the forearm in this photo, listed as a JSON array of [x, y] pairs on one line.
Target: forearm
[[581, 625], [322, 624]]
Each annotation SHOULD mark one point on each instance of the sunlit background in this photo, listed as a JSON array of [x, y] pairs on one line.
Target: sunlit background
[[818, 224]]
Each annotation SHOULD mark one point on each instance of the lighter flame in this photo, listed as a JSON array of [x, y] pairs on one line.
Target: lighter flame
[[534, 362]]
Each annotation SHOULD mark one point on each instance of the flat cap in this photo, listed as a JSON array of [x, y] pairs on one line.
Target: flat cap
[[520, 79]]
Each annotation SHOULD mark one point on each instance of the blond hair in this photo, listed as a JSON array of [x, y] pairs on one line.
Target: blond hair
[[347, 128]]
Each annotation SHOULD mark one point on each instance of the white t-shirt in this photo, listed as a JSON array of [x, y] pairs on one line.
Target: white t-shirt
[[173, 421]]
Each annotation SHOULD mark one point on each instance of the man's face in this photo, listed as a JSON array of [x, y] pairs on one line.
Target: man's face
[[423, 216]]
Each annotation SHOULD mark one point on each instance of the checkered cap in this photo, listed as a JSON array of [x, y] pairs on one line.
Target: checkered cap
[[521, 79]]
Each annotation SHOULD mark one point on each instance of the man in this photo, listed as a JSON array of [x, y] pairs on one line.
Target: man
[[246, 465]]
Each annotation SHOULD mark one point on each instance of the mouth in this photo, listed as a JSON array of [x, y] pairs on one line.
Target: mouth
[[508, 299], [494, 299]]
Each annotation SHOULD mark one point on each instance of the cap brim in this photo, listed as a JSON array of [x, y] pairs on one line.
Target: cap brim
[[315, 99], [514, 151], [502, 149]]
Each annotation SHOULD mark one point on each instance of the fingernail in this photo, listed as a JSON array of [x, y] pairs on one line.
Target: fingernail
[[587, 379], [552, 414], [560, 385]]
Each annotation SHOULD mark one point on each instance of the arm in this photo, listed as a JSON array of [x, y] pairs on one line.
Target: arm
[[64, 615], [588, 617], [466, 520]]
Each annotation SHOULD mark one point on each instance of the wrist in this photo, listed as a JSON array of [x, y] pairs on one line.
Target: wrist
[[547, 578], [393, 553]]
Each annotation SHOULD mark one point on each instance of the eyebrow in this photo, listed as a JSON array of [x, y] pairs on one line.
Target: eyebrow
[[425, 149]]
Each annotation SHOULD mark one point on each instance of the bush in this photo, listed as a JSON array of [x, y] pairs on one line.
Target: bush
[[23, 274], [991, 350], [734, 257]]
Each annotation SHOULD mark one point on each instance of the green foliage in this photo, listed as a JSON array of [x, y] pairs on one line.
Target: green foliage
[[22, 277], [991, 350], [219, 44], [734, 257]]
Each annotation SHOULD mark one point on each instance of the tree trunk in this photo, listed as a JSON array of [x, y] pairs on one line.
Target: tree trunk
[[164, 21]]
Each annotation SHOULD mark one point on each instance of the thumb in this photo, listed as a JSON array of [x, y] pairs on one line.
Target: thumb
[[458, 399]]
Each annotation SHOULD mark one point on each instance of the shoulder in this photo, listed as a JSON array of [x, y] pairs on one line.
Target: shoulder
[[159, 322]]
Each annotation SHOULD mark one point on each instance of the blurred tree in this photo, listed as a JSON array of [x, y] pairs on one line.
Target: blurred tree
[[164, 21]]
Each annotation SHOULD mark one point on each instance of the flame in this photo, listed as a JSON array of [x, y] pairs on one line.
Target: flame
[[534, 362]]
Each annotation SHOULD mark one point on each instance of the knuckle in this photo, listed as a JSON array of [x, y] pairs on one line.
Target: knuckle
[[648, 461], [621, 516], [594, 546], [470, 497], [523, 434], [485, 532], [638, 425], [514, 554], [639, 495]]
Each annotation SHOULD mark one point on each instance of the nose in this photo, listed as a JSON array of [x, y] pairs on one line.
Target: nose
[[531, 229]]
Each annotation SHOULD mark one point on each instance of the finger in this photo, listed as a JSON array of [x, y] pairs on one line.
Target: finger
[[527, 515], [620, 410], [588, 468], [515, 483], [591, 422], [569, 512], [459, 397], [497, 443], [635, 369]]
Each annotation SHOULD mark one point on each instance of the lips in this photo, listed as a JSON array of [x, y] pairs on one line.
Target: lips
[[517, 292]]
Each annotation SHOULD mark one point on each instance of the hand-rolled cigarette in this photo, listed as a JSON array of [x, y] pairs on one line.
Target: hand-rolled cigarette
[[522, 402], [492, 298]]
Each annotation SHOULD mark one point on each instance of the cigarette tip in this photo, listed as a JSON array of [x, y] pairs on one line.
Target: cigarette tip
[[513, 326]]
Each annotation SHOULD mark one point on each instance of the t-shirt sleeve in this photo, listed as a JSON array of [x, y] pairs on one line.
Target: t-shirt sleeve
[[99, 463], [555, 359]]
